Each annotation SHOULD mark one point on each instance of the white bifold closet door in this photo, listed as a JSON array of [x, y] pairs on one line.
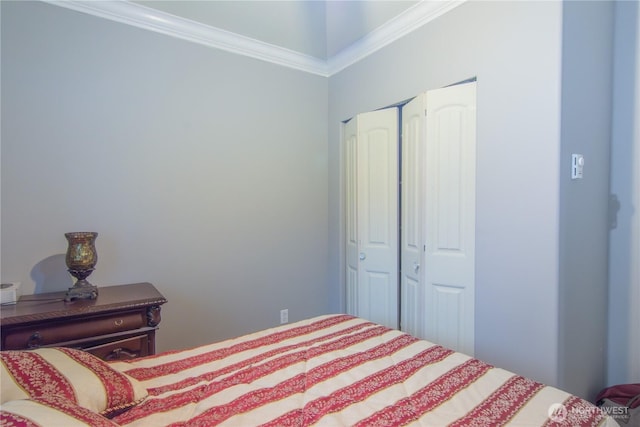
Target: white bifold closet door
[[412, 312], [438, 216], [372, 203]]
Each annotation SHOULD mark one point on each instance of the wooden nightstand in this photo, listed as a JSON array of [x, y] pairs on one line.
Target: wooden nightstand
[[120, 324]]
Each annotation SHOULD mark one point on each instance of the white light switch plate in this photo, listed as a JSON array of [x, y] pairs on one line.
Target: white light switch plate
[[577, 166]]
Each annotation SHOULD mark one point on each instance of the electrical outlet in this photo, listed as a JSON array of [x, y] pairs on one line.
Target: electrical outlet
[[284, 316]]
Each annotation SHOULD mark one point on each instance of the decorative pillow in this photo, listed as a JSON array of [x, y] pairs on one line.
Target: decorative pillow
[[49, 411], [75, 375]]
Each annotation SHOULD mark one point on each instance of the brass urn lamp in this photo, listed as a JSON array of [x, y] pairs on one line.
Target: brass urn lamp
[[81, 259]]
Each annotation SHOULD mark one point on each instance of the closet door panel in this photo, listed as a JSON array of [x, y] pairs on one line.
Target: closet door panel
[[378, 214], [371, 208], [350, 138], [411, 223], [447, 328], [450, 216]]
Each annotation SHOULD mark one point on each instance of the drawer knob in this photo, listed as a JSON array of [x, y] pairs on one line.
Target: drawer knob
[[34, 341], [119, 322]]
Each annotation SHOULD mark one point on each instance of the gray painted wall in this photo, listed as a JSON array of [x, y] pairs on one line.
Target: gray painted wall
[[586, 129], [514, 49], [544, 87], [204, 172], [209, 174], [624, 261]]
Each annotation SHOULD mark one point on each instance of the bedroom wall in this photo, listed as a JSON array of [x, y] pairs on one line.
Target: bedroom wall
[[514, 49], [204, 172], [207, 173], [584, 203], [624, 265]]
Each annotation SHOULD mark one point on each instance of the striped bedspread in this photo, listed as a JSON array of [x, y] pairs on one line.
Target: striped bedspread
[[337, 370]]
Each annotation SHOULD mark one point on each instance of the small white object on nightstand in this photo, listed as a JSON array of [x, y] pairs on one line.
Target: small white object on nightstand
[[9, 292]]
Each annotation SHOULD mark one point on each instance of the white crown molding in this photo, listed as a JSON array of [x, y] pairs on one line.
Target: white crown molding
[[161, 22], [403, 24], [151, 19]]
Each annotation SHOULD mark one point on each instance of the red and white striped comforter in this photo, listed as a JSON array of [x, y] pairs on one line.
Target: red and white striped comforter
[[338, 370]]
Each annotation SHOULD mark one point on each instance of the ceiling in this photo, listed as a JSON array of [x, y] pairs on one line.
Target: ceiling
[[318, 28]]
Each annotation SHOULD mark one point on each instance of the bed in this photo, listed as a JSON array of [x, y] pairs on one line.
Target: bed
[[332, 370]]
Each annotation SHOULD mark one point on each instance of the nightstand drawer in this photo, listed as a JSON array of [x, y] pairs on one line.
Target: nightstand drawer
[[129, 348], [50, 334]]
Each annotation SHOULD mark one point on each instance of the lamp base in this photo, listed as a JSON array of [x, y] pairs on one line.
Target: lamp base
[[81, 290]]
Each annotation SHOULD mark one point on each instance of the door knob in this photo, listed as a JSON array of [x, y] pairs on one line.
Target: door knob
[[416, 266], [362, 256]]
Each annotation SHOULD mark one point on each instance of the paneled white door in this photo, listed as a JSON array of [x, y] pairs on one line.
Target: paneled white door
[[438, 216], [372, 203], [412, 217], [449, 216]]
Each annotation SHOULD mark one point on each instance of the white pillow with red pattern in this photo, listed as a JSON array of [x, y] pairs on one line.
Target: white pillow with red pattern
[[77, 376]]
